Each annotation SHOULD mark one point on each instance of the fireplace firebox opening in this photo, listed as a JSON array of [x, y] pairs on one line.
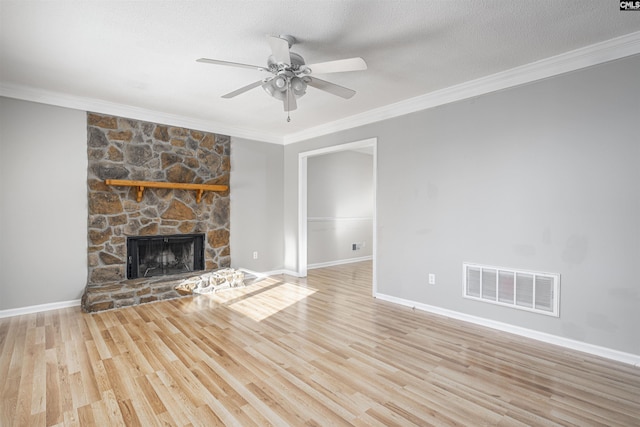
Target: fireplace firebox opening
[[149, 256]]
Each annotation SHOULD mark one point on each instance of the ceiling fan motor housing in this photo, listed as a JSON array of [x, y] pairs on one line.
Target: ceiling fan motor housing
[[297, 62]]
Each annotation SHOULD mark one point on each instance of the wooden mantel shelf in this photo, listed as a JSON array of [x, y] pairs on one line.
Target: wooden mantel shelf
[[141, 185]]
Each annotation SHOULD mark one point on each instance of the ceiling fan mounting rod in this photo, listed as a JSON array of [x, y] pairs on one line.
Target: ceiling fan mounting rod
[[290, 39]]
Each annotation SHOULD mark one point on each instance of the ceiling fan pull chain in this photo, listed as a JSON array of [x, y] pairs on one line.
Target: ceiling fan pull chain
[[288, 100]]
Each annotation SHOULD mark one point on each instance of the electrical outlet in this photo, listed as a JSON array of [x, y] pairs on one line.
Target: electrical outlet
[[354, 247], [432, 279], [255, 255]]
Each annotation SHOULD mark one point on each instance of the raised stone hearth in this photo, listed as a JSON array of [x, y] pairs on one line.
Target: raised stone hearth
[[124, 293], [120, 148], [139, 291]]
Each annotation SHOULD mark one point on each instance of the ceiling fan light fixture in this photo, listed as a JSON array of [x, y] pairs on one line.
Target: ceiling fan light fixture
[[269, 87], [280, 83], [298, 86]]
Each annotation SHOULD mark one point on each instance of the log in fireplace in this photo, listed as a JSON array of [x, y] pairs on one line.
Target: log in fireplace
[[149, 256]]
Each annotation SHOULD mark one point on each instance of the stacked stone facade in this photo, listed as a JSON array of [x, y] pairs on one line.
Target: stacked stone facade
[[120, 148]]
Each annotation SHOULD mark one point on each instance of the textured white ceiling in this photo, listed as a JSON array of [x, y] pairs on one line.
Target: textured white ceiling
[[142, 53]]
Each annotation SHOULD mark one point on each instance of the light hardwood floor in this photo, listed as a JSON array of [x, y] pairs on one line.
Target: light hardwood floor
[[319, 351]]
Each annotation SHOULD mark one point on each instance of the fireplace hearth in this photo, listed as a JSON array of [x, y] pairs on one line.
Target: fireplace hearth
[[151, 256]]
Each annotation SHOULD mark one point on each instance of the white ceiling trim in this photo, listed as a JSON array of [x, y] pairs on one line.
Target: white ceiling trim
[[598, 53], [104, 107]]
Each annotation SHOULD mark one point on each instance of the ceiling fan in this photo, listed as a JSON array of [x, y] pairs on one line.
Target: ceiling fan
[[290, 75]]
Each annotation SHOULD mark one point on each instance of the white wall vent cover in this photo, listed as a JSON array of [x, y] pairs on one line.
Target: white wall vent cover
[[524, 290]]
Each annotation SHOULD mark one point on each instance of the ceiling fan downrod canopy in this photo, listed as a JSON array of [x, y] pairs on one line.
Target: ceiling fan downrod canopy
[[290, 75]]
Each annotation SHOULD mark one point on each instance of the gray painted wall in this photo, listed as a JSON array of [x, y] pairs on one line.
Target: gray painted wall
[[339, 206], [542, 177], [43, 204], [256, 205]]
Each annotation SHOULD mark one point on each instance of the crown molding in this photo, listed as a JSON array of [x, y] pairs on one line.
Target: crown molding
[[595, 54], [105, 107]]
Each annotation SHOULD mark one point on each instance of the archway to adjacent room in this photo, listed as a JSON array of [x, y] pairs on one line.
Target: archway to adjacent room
[[369, 145]]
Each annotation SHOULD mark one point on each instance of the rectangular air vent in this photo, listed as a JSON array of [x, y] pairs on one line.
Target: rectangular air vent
[[525, 290]]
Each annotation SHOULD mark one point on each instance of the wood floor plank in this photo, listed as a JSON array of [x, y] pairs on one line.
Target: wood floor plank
[[85, 416], [176, 398], [207, 417], [313, 351], [129, 414], [38, 420], [48, 398], [152, 398], [114, 416], [175, 414], [318, 412]]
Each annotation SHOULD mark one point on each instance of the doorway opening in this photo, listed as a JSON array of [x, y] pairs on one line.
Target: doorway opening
[[369, 145]]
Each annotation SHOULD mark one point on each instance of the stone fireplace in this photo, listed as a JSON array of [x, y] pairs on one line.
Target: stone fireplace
[[125, 149]]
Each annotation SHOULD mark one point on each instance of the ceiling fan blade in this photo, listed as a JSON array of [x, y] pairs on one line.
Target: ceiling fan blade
[[280, 50], [332, 88], [289, 101], [231, 64], [339, 66], [243, 89]]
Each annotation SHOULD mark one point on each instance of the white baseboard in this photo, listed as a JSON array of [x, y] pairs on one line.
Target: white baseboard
[[632, 359], [309, 267], [289, 273], [38, 308], [339, 262], [262, 274]]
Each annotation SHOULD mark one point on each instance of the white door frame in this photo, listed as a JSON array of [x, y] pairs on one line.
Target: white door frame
[[302, 199]]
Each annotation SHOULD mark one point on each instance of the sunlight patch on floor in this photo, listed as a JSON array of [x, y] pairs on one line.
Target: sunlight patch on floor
[[262, 298], [259, 299], [271, 301]]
